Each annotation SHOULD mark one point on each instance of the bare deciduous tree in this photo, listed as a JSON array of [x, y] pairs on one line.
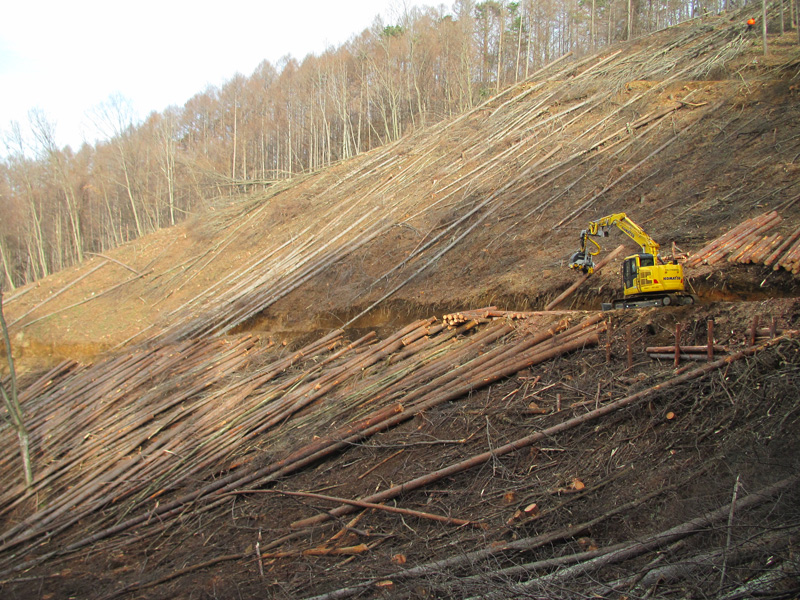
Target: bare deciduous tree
[[11, 400]]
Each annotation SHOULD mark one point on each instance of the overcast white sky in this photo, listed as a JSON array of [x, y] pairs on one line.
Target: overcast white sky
[[67, 57]]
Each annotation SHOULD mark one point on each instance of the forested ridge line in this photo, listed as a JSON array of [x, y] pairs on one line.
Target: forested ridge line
[[59, 204]]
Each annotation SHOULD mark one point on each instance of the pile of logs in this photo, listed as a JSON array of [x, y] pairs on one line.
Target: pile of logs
[[478, 314], [747, 243], [132, 447], [114, 444]]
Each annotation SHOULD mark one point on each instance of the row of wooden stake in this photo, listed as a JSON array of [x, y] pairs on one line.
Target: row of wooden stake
[[678, 352]]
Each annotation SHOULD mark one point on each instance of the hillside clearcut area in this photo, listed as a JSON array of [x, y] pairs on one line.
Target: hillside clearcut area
[[381, 380]]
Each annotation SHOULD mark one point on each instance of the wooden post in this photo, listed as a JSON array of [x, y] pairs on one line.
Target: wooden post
[[629, 344], [608, 341], [773, 327], [677, 344], [754, 331], [710, 328]]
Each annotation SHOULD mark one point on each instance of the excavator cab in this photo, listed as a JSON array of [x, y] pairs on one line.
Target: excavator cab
[[648, 282], [631, 266]]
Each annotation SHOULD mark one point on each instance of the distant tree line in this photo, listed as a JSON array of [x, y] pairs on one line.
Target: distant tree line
[[57, 204]]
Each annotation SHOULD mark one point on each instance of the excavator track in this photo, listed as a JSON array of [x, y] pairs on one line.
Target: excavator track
[[651, 300]]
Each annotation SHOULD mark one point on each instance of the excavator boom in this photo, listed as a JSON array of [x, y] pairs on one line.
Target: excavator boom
[[631, 229]]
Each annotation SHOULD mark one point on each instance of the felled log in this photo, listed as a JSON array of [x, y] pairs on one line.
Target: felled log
[[787, 244], [791, 259], [671, 356], [683, 349], [760, 254]]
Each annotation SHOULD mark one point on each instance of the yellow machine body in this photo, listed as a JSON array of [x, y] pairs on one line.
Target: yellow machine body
[[642, 275]]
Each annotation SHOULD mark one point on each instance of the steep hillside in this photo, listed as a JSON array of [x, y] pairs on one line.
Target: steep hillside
[[689, 131], [209, 403]]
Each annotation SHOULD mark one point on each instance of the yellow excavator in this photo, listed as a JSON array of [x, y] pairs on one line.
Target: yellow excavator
[[647, 280]]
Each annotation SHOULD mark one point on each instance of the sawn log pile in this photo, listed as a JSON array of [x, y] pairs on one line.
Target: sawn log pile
[[130, 432], [747, 243]]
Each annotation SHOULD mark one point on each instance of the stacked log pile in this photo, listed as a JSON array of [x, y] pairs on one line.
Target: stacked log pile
[[119, 440], [748, 243], [487, 313]]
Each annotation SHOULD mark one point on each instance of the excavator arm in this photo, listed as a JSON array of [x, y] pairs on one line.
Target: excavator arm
[[629, 228], [583, 258]]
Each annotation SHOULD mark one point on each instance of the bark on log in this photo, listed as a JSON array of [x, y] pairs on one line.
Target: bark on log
[[785, 245], [370, 505], [671, 356], [733, 239], [684, 349], [755, 227]]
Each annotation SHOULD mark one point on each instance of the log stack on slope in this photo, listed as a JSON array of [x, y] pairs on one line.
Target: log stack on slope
[[115, 443], [747, 243]]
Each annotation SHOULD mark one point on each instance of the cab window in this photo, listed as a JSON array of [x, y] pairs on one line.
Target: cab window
[[647, 260]]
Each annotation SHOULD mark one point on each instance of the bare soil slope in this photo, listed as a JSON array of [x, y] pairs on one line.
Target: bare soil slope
[[183, 389]]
